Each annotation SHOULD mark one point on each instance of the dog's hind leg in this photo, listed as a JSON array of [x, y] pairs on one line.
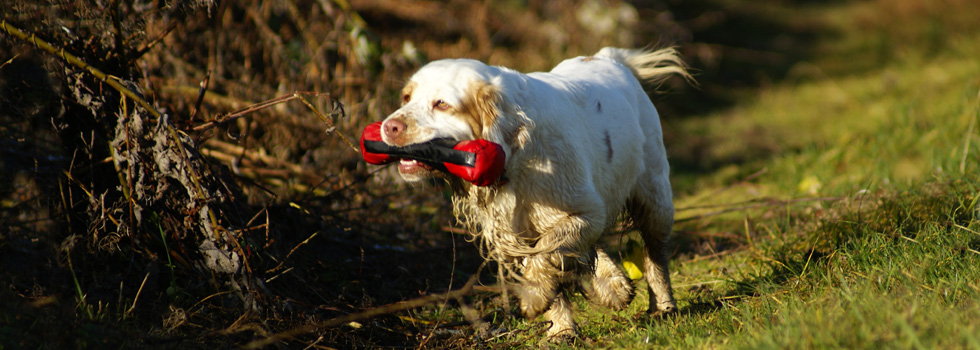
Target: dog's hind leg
[[652, 211]]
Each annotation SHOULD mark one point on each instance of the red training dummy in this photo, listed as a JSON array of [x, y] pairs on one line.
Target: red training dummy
[[480, 162]]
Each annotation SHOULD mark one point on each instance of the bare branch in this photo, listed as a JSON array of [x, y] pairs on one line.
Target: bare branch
[[366, 314]]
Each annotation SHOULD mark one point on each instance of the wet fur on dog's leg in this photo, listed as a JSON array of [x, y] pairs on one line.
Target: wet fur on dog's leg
[[541, 274], [653, 215]]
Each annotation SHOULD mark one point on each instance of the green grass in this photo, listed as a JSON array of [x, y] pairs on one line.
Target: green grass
[[883, 126], [900, 275]]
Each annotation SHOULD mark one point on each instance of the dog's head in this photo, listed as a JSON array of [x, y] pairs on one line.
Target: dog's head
[[458, 99]]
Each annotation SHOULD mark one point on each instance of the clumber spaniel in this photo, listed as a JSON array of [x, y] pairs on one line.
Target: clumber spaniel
[[583, 145]]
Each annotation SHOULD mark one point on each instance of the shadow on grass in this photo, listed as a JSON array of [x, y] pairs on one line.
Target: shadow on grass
[[890, 216]]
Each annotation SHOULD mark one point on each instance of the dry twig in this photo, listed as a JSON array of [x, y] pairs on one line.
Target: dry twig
[[366, 314]]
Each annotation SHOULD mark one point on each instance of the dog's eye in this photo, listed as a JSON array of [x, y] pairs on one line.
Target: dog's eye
[[406, 98], [441, 105]]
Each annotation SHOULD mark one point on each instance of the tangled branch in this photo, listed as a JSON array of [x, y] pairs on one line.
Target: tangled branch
[[77, 62]]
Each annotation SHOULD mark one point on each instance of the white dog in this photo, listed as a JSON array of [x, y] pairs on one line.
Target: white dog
[[583, 145]]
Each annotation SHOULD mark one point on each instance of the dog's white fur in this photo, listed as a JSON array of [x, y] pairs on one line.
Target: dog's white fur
[[584, 145]]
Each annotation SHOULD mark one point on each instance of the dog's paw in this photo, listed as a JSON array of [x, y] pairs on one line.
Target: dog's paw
[[663, 309], [560, 334], [614, 292], [564, 337]]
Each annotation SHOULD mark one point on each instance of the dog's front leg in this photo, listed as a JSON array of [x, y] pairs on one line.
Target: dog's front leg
[[562, 324], [542, 273], [566, 248]]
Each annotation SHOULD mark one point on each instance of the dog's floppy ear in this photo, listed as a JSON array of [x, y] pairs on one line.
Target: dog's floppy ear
[[495, 116], [481, 106]]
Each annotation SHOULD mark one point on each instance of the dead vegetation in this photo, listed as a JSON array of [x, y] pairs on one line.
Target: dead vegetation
[[181, 175]]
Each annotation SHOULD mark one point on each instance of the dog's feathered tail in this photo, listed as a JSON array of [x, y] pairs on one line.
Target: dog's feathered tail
[[652, 67]]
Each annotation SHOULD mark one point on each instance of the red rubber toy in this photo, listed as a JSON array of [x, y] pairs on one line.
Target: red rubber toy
[[479, 162]]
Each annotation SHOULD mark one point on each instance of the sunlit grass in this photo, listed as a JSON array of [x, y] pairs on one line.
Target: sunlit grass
[[899, 125], [901, 275]]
